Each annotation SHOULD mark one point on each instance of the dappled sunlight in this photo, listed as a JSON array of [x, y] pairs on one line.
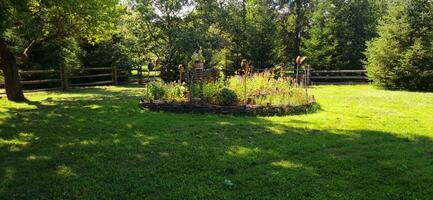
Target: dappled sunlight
[[18, 142], [225, 123], [65, 171], [276, 130], [88, 142], [34, 157], [93, 106], [287, 164], [242, 151], [144, 139]]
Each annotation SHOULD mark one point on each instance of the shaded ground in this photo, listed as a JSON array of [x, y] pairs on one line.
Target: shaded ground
[[95, 143]]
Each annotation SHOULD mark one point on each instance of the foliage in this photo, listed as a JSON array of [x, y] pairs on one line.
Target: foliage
[[45, 21], [339, 32], [54, 55], [332, 33], [37, 22], [159, 90], [402, 56], [250, 29], [226, 97], [205, 91], [109, 53], [263, 89]]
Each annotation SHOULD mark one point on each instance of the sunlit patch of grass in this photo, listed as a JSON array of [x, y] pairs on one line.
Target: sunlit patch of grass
[[88, 142], [286, 164], [37, 157], [65, 171], [17, 143], [242, 151]]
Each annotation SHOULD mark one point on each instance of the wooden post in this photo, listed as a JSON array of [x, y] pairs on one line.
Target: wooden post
[[180, 67], [140, 75], [64, 78], [306, 72], [245, 89], [114, 75]]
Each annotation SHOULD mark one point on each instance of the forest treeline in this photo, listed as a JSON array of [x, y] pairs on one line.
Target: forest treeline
[[333, 34]]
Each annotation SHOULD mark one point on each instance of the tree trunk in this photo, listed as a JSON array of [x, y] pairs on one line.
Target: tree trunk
[[8, 63], [299, 26]]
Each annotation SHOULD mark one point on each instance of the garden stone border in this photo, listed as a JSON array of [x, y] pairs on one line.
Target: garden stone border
[[254, 110]]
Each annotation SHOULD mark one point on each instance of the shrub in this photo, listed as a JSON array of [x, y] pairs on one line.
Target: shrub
[[205, 91], [166, 91], [226, 97], [402, 56]]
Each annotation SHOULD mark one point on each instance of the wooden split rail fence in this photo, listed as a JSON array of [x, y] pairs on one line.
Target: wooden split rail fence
[[329, 77], [335, 77], [113, 76], [61, 79]]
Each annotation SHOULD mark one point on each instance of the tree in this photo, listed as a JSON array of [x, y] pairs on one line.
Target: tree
[[250, 27], [162, 24], [339, 32], [292, 25], [39, 21], [402, 56]]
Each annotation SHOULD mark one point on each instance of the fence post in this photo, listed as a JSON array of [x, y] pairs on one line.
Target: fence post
[[308, 74], [140, 75], [64, 78], [114, 75]]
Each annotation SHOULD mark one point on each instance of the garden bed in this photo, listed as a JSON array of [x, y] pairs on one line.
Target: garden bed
[[254, 110], [263, 93]]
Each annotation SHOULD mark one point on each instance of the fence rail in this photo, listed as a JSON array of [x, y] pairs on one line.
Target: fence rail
[[320, 77], [61, 79], [338, 77], [39, 71]]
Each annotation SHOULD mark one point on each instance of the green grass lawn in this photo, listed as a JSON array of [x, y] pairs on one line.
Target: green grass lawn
[[95, 143]]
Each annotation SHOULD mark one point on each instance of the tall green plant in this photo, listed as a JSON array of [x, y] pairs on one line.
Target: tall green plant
[[402, 56]]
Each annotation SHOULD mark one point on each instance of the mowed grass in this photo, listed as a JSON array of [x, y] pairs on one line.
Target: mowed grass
[[95, 143]]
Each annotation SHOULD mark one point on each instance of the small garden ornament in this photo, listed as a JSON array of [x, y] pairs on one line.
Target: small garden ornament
[[181, 72], [299, 62]]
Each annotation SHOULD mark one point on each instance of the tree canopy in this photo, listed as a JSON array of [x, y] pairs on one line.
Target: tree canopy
[[402, 56], [29, 22]]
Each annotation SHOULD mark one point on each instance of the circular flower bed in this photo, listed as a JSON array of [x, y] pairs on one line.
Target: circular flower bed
[[258, 94]]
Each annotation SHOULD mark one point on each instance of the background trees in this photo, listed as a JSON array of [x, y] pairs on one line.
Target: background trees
[[339, 32], [332, 33], [402, 56]]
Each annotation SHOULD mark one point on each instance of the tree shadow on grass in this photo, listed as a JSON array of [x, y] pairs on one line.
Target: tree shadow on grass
[[103, 146]]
